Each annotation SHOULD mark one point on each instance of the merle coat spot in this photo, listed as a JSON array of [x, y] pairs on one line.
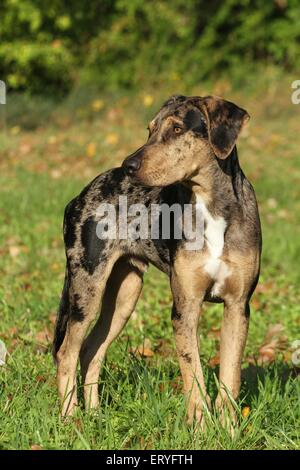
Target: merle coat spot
[[76, 312], [175, 315], [186, 357], [93, 246], [195, 121], [71, 218], [112, 183]]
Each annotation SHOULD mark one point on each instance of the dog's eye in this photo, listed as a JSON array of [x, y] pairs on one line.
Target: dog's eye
[[177, 129]]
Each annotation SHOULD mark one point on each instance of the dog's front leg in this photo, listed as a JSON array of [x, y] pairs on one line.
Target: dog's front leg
[[185, 316], [233, 339]]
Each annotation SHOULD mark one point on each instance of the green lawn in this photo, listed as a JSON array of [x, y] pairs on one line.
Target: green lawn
[[41, 169]]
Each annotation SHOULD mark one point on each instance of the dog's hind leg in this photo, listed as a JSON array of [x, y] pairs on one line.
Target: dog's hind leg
[[80, 304], [122, 292]]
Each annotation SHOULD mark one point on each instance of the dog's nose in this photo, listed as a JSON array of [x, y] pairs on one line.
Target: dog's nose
[[132, 164]]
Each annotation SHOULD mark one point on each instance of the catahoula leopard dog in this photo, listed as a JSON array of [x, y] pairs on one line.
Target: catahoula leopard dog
[[190, 157]]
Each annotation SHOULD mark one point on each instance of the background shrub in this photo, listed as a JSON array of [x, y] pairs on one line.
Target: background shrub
[[121, 43]]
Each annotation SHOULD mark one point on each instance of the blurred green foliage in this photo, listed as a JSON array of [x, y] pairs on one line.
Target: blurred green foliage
[[47, 46]]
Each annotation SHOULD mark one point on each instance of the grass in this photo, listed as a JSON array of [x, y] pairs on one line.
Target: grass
[[41, 169]]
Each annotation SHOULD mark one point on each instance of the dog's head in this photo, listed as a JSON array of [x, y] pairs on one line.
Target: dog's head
[[184, 136]]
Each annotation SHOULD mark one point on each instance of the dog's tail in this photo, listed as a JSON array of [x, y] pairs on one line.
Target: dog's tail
[[61, 319]]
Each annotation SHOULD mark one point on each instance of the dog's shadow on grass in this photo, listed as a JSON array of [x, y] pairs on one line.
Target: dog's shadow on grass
[[254, 379], [253, 376]]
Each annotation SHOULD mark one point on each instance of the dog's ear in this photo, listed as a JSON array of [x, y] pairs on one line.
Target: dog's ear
[[224, 122]]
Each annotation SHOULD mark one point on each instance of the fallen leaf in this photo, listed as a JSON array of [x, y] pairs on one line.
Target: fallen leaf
[[40, 378], [144, 350], [177, 383], [55, 267], [97, 105], [52, 317], [113, 114], [264, 288], [25, 148], [43, 338], [214, 333], [255, 302], [55, 173], [11, 332], [52, 139], [78, 424], [27, 286], [214, 361], [283, 214], [246, 411], [272, 203], [148, 100], [274, 342], [14, 251], [15, 130], [35, 447], [56, 44], [165, 348], [267, 354], [112, 139], [273, 331], [91, 149]]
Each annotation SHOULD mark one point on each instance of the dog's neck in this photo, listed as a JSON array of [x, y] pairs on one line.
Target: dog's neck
[[218, 183]]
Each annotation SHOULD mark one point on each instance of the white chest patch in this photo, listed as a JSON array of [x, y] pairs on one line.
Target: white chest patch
[[214, 239]]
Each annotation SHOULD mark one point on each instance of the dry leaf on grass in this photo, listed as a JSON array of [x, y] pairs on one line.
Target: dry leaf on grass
[[44, 336], [165, 348], [41, 340], [148, 100], [91, 150], [78, 424], [35, 447], [52, 318], [177, 383], [10, 333], [246, 411], [265, 288], [255, 302], [215, 333], [14, 251], [112, 138], [143, 350], [274, 342], [214, 361], [97, 105], [55, 173], [40, 379]]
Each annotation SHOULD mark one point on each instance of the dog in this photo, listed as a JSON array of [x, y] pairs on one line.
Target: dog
[[190, 157]]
